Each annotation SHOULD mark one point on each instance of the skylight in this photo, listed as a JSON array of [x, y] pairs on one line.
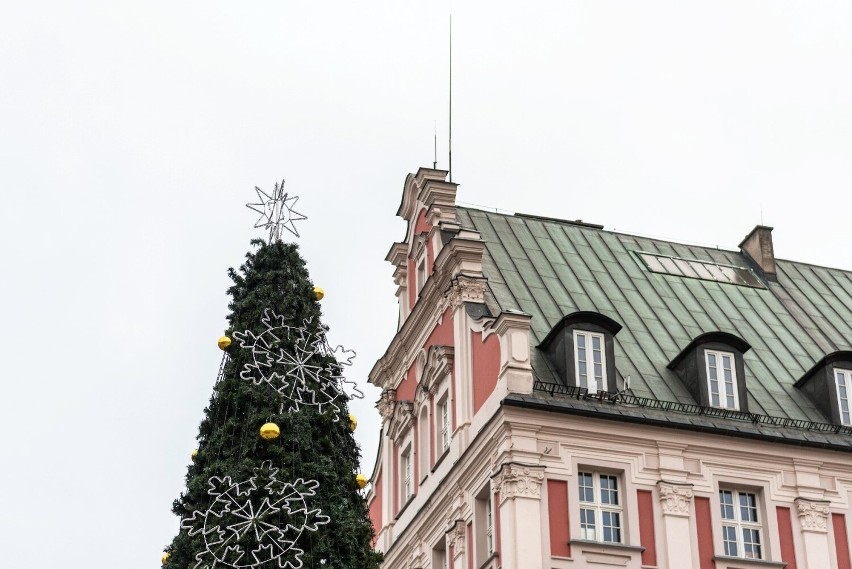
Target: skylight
[[695, 269]]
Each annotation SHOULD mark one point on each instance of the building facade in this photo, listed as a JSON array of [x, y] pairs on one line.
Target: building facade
[[560, 396]]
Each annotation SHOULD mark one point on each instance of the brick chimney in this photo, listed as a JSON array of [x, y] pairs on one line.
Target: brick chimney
[[757, 246]]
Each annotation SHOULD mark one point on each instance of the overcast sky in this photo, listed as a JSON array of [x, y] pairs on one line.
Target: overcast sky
[[132, 134]]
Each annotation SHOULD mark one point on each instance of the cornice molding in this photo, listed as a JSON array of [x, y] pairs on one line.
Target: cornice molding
[[457, 535]]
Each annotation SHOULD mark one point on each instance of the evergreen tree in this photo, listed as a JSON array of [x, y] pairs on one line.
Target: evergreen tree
[[316, 442]]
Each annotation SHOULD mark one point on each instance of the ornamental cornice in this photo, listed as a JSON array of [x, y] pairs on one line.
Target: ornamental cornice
[[813, 514], [519, 481], [457, 536], [675, 498], [439, 363], [386, 404], [465, 288], [401, 419]]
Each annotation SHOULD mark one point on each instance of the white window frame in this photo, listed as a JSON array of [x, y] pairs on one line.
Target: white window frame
[[720, 381], [592, 379], [420, 270], [843, 386], [601, 506], [743, 528], [407, 474], [489, 525], [444, 419]]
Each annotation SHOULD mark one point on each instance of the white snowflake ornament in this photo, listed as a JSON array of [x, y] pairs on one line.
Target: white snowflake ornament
[[255, 523], [296, 364]]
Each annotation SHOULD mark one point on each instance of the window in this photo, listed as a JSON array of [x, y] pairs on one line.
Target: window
[[843, 379], [600, 507], [589, 359], [421, 274], [423, 447], [721, 379], [444, 425], [489, 527], [407, 476], [484, 526], [740, 524], [440, 559]]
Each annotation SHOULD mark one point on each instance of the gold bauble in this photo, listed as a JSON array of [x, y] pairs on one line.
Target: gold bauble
[[353, 422], [361, 480], [270, 431], [319, 293], [165, 558], [224, 343], [194, 454]]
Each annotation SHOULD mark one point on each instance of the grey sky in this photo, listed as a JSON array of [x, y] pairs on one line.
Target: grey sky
[[132, 134]]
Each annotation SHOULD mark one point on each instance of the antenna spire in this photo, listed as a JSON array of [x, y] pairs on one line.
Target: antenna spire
[[435, 162], [451, 101]]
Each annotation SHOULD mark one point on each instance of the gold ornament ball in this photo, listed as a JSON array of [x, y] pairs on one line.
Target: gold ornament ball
[[319, 293], [224, 343], [194, 454], [165, 558], [360, 480], [270, 431], [353, 422]]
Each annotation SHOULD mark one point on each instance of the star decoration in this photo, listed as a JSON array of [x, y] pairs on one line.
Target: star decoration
[[276, 211]]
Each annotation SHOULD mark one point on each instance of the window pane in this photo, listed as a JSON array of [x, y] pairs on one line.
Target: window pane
[[748, 507], [751, 543], [726, 500], [609, 490], [587, 524], [611, 527], [729, 538], [587, 491], [596, 347]]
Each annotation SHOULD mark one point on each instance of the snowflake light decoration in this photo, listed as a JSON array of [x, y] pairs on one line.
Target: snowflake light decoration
[[276, 211], [255, 523], [297, 364]]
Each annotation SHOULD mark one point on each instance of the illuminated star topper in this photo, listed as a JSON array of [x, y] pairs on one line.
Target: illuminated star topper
[[276, 211]]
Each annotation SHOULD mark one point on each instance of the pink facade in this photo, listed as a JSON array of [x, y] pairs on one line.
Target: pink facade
[[502, 477]]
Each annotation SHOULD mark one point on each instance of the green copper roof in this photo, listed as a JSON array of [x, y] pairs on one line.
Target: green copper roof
[[550, 268]]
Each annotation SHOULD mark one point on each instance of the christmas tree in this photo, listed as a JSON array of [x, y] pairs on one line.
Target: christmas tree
[[273, 481]]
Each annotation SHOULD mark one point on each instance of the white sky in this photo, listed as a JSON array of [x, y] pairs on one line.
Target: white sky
[[132, 134]]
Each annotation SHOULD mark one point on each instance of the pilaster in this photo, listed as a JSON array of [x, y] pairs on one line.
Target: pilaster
[[676, 507], [519, 486], [813, 521]]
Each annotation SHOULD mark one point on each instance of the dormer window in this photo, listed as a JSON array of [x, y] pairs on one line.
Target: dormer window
[[722, 379], [711, 368], [828, 384], [844, 382], [582, 349], [589, 360]]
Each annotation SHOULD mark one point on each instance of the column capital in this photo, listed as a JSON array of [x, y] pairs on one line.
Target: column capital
[[675, 498], [519, 481], [457, 537], [813, 514]]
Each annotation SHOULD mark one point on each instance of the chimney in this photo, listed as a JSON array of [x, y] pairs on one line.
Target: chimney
[[758, 247]]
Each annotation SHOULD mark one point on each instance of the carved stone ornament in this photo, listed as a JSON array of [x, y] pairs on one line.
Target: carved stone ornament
[[466, 289], [813, 514], [387, 404], [457, 535], [675, 498], [519, 480]]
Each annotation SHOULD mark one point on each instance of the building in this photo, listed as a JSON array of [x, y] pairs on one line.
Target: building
[[561, 396]]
